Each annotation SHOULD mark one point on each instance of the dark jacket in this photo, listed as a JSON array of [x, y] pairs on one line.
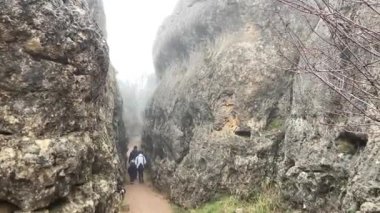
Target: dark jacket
[[133, 155]]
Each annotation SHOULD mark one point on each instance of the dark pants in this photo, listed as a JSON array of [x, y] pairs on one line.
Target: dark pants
[[140, 170], [132, 171]]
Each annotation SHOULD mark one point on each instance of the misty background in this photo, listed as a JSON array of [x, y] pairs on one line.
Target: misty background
[[132, 27]]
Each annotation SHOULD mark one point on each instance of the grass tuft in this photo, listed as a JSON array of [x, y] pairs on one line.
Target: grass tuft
[[267, 201]]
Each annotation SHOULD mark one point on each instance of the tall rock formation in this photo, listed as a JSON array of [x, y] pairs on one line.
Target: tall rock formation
[[226, 117], [60, 119]]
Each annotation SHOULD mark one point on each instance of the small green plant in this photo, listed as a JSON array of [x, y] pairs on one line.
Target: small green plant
[[267, 201], [276, 123], [225, 204]]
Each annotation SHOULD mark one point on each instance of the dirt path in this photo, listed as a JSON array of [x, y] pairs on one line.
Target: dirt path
[[141, 198]]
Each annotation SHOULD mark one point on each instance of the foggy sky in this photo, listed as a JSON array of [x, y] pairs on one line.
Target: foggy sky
[[131, 29]]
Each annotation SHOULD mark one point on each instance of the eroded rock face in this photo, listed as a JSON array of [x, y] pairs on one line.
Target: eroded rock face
[[217, 116], [58, 108], [226, 117]]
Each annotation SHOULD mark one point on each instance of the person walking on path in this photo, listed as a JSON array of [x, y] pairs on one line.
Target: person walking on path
[[133, 154], [132, 171], [140, 163]]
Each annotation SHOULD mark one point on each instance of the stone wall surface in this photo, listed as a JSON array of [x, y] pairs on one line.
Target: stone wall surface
[[227, 117], [60, 127]]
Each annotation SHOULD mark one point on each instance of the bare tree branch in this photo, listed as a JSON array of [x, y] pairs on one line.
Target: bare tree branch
[[348, 61]]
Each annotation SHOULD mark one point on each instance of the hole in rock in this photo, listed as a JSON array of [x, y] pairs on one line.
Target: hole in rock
[[243, 132], [5, 132], [202, 164], [58, 204], [350, 143], [374, 192]]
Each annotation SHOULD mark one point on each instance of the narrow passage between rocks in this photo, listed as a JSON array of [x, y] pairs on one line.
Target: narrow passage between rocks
[[142, 198]]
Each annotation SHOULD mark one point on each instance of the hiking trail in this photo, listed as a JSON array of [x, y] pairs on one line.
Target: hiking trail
[[141, 198]]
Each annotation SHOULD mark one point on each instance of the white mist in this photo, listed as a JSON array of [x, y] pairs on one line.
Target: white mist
[[132, 27]]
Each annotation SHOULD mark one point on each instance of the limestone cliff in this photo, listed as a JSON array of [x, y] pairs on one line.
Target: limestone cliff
[[226, 117], [59, 111]]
